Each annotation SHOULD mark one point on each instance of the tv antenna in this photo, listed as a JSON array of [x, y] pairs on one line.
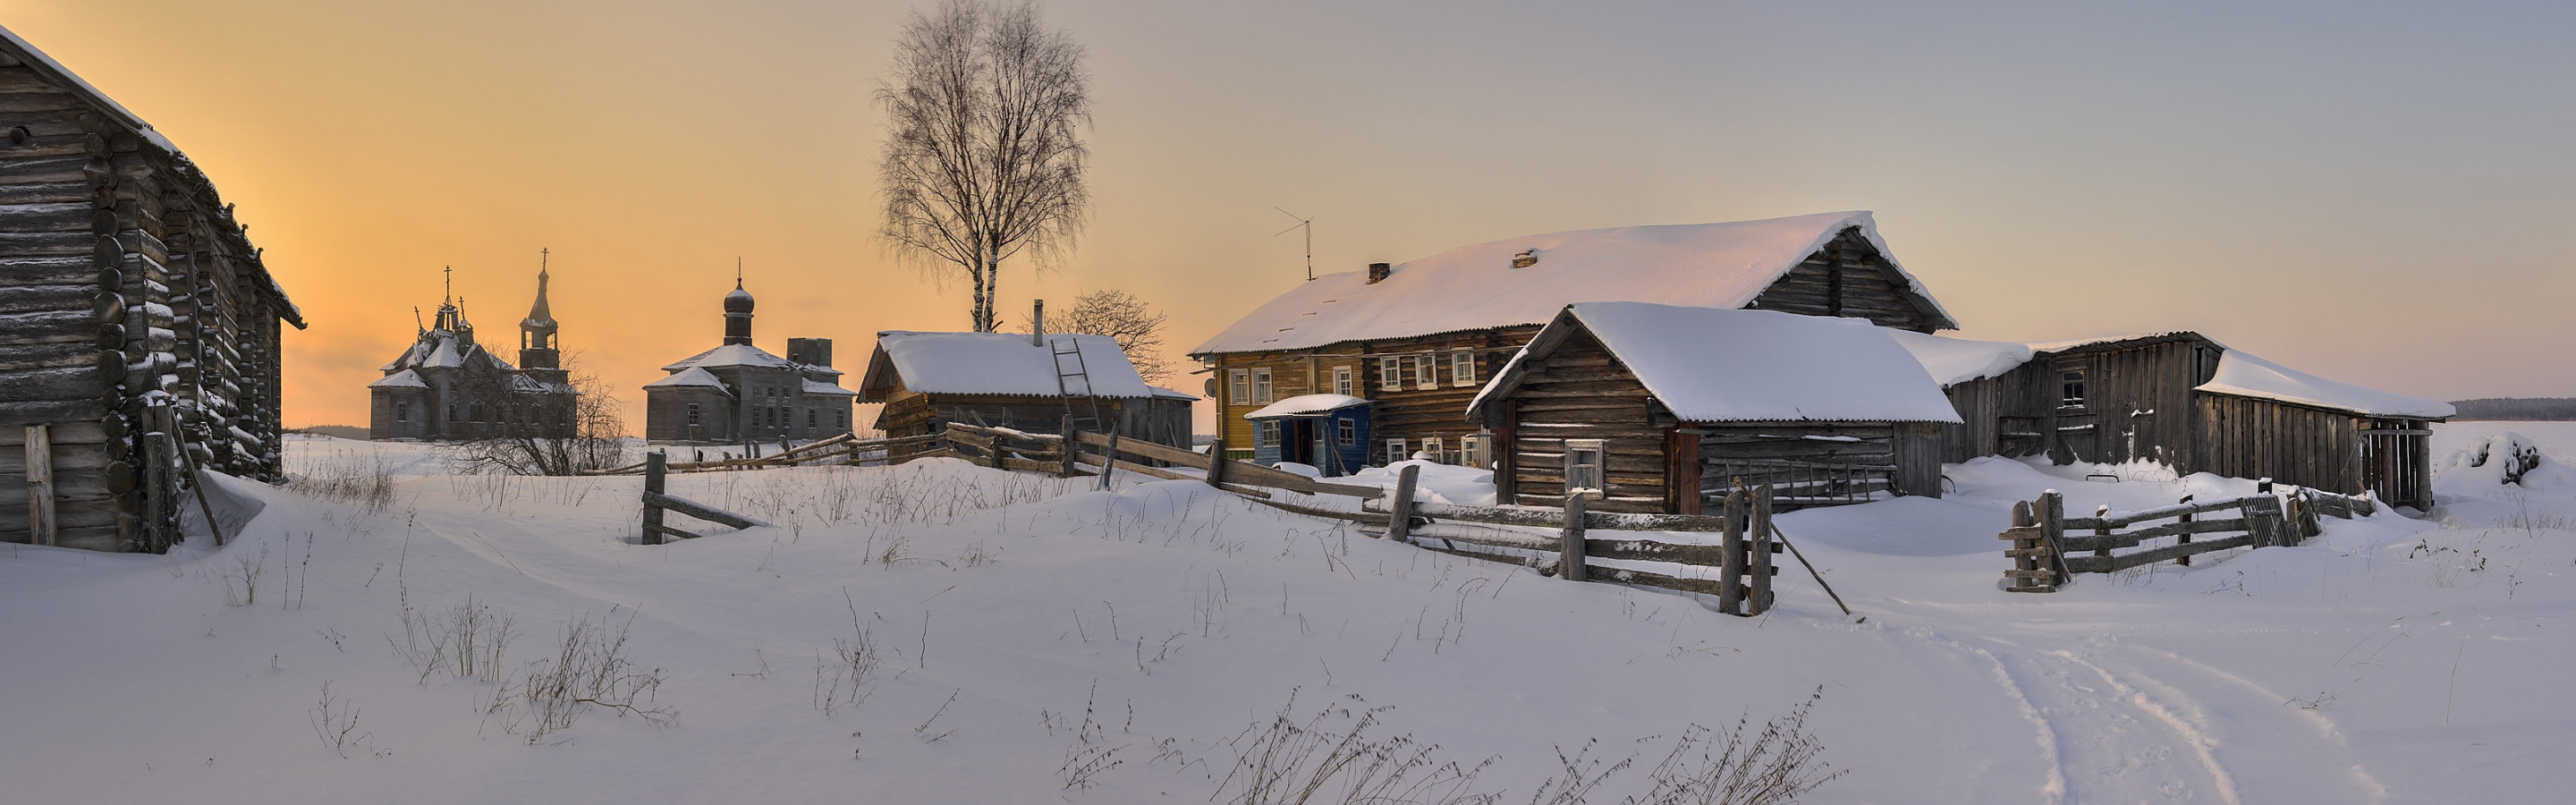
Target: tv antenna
[[1307, 224]]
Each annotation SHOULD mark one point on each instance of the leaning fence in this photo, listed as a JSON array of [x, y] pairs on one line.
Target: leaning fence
[[2046, 555]]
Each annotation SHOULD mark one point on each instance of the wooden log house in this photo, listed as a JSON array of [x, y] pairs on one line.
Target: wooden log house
[[1658, 408], [2187, 402], [1028, 383], [139, 329], [1420, 339]]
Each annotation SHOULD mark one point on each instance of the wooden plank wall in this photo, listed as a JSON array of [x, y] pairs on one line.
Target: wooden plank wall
[[2245, 437], [1848, 277], [1581, 392]]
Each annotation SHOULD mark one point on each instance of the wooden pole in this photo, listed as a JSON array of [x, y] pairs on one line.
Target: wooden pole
[[655, 468], [1109, 460], [2103, 513], [1759, 533], [40, 484], [2052, 524], [1569, 562], [1730, 578], [1399, 523], [1811, 569], [199, 479], [1066, 470], [1216, 462], [2185, 537]]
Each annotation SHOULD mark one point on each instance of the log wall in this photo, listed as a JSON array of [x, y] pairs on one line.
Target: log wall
[[130, 305], [1849, 278]]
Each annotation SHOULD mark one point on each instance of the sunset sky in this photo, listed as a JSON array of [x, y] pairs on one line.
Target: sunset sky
[[2368, 191]]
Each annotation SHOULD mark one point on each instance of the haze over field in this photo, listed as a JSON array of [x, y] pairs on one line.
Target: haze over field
[[2290, 179]]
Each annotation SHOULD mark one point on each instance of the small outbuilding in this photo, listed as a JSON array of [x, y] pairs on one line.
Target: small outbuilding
[[1329, 432], [1030, 383], [1659, 408]]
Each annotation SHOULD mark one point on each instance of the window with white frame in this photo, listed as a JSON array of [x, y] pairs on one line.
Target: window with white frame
[[1265, 433], [1583, 459], [1390, 373], [1395, 451], [1433, 450], [1261, 386], [1239, 382], [1462, 368], [1426, 371], [1342, 381], [1346, 432], [1476, 450]]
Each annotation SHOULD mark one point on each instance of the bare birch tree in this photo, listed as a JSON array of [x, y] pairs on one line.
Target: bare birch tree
[[1138, 329], [984, 158]]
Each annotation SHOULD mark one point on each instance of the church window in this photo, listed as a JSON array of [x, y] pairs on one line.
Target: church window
[[693, 415], [402, 412]]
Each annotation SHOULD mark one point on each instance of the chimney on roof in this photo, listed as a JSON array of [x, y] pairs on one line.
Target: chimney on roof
[[1378, 272], [1525, 259], [1037, 324]]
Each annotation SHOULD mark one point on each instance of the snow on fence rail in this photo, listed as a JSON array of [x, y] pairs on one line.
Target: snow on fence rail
[[2043, 552]]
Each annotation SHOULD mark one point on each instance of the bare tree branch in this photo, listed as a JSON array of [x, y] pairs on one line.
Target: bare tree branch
[[1125, 318], [984, 156]]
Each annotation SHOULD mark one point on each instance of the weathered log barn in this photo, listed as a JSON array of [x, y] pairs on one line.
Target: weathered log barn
[[1030, 383], [1419, 339], [447, 386], [738, 392], [2185, 401], [1658, 408], [139, 329]]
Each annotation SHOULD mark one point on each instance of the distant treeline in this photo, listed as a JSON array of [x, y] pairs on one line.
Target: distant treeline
[[2552, 408]]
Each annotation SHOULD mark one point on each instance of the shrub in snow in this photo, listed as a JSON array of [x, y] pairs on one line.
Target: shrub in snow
[[2505, 459]]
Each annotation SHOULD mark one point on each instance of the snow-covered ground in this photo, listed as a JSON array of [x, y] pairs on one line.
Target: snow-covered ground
[[1024, 639]]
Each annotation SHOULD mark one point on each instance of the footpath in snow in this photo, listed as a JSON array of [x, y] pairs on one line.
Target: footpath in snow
[[944, 633]]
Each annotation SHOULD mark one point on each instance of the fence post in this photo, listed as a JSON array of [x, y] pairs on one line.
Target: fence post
[[1109, 460], [2024, 552], [1730, 577], [1569, 560], [1216, 462], [2052, 525], [2103, 513], [1399, 511], [655, 466], [1071, 440], [1758, 534], [2185, 537]]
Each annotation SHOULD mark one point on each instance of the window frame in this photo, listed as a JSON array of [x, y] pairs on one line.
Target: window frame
[[1396, 451], [1346, 431], [1462, 368], [1238, 385], [1390, 373], [2072, 387], [1426, 371], [402, 411], [1578, 471], [1343, 381], [695, 418], [1435, 450], [1264, 391]]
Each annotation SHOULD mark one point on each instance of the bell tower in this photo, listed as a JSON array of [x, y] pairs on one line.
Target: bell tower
[[737, 312], [538, 348]]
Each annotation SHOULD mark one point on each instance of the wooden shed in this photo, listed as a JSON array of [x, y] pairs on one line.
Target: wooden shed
[[1662, 408], [1023, 382], [139, 330], [2187, 402]]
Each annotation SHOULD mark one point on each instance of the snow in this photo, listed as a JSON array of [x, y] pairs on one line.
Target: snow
[[1714, 365], [1723, 265], [1306, 405], [402, 379], [443, 354], [1022, 623], [691, 376], [2242, 374], [2503, 463], [1002, 363], [1952, 361], [822, 389], [733, 355], [1171, 394]]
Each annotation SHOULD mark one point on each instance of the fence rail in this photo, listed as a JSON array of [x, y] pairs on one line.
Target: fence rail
[[2043, 553]]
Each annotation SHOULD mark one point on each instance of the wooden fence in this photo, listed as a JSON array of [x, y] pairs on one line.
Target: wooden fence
[[2045, 556], [1801, 484], [656, 503]]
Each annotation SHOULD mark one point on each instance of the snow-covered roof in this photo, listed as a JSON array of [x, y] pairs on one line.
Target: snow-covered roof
[[2244, 374], [733, 355], [1307, 405], [45, 64], [1000, 363], [1958, 360], [1726, 365], [1721, 265], [399, 380], [443, 354], [440, 349], [822, 389], [691, 376], [1172, 394]]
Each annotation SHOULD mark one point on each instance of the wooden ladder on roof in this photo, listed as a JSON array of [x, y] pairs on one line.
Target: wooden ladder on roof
[[1069, 374]]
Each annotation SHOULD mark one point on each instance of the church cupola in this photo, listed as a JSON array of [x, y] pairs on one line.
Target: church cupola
[[737, 311], [538, 348]]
